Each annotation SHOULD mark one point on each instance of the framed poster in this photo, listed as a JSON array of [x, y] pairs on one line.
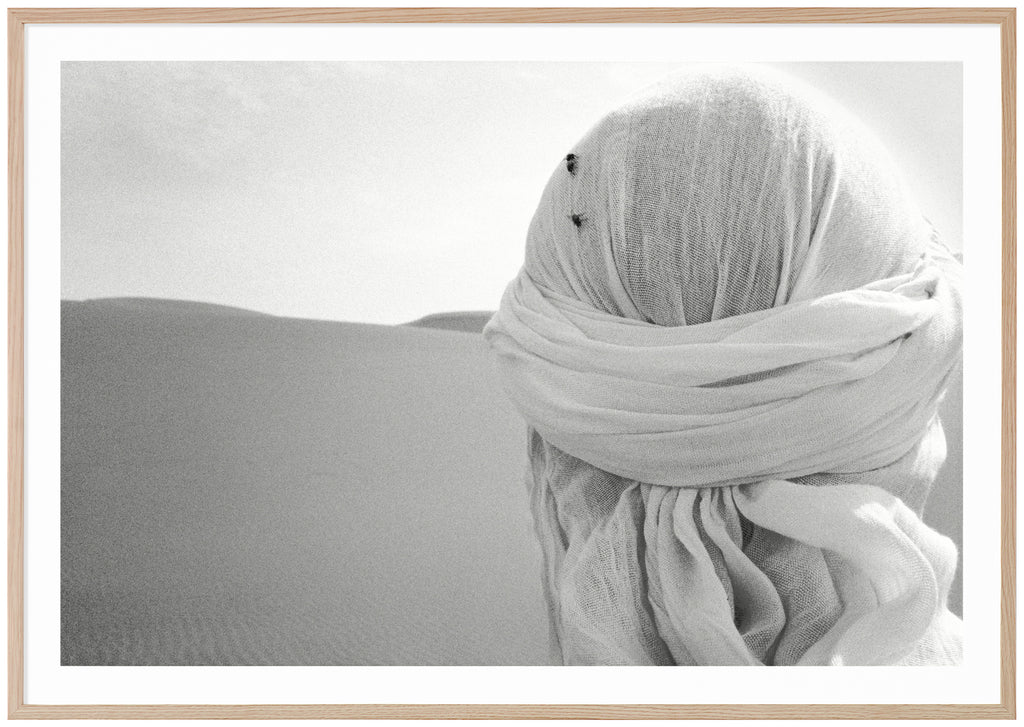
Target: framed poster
[[251, 252]]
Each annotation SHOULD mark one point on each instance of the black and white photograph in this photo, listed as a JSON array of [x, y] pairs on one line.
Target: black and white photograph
[[511, 363]]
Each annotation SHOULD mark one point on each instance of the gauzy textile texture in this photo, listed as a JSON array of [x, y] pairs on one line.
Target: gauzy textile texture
[[729, 338]]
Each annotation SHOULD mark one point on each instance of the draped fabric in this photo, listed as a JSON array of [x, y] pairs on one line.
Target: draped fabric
[[729, 339]]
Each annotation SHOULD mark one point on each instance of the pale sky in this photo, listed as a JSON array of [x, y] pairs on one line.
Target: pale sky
[[378, 192]]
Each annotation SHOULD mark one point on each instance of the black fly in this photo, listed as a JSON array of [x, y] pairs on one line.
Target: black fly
[[570, 164], [576, 219]]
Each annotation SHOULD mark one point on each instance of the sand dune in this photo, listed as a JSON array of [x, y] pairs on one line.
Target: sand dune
[[239, 488], [161, 305], [468, 321], [247, 489]]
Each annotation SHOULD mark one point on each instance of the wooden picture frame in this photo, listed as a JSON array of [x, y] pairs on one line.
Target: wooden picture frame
[[19, 19]]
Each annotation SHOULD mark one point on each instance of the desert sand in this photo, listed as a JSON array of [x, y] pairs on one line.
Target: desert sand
[[239, 488], [246, 489]]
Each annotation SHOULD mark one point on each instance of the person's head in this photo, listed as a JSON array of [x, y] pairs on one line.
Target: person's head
[[719, 194]]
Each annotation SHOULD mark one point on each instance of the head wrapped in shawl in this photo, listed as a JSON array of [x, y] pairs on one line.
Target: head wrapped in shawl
[[730, 338]]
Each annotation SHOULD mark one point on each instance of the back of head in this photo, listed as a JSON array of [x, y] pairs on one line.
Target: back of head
[[723, 191]]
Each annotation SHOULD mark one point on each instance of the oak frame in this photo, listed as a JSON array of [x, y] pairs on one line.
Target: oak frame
[[18, 18]]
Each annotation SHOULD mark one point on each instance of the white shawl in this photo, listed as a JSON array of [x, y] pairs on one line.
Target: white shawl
[[730, 339]]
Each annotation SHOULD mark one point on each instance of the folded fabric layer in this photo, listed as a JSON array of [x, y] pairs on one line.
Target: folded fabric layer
[[842, 383]]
